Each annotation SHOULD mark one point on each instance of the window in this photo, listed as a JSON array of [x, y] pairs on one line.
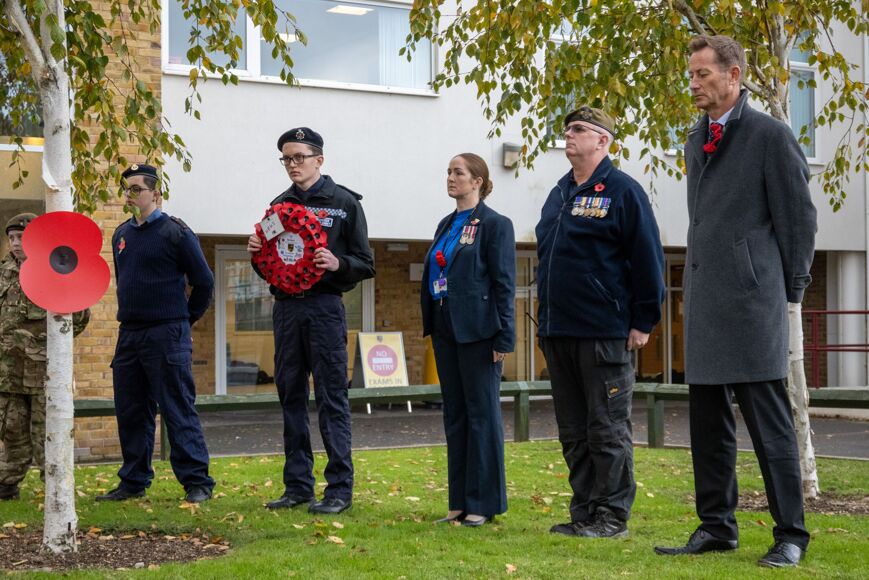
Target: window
[[349, 45], [19, 113], [802, 98], [245, 338], [352, 43], [179, 37]]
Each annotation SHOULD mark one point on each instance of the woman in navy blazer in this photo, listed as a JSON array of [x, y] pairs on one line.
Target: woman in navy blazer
[[468, 287]]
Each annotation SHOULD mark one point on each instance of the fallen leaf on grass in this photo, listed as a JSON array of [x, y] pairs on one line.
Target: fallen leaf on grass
[[761, 523], [20, 526], [338, 525], [650, 494], [106, 538], [334, 540], [80, 493], [510, 568], [411, 498], [299, 526]]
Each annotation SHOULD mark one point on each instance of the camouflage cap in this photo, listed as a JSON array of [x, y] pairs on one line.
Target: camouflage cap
[[593, 116], [20, 221]]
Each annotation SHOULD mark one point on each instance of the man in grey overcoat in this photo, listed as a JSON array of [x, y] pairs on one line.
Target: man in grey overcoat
[[751, 241]]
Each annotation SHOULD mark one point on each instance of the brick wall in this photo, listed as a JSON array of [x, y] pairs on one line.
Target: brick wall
[[396, 301], [96, 438], [816, 299]]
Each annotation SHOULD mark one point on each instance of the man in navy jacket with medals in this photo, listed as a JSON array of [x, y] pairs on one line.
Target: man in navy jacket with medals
[[600, 289], [156, 256], [311, 329]]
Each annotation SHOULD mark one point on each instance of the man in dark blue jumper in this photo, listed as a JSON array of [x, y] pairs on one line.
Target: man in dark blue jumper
[[600, 286], [155, 257], [311, 329]]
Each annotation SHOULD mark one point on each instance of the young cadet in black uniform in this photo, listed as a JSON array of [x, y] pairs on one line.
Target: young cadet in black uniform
[[600, 286], [311, 329], [156, 257]]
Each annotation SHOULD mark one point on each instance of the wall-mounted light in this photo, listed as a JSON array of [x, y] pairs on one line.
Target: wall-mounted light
[[511, 154]]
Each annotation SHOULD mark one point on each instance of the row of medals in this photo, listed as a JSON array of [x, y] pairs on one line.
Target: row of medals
[[596, 207], [469, 233]]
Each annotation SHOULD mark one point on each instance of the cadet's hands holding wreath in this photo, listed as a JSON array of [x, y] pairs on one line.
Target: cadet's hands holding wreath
[[325, 259], [254, 244]]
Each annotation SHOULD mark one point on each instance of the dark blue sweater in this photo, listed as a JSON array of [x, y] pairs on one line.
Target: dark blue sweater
[[154, 262], [599, 277]]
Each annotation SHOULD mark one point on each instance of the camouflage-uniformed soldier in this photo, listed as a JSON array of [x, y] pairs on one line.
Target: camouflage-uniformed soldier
[[22, 368]]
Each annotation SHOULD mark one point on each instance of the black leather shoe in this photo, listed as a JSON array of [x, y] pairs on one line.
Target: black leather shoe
[[568, 529], [120, 494], [477, 523], [8, 492], [288, 500], [604, 524], [699, 542], [198, 494], [448, 520], [330, 505], [782, 555]]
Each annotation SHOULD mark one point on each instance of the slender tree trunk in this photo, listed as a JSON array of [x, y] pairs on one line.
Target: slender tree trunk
[[61, 520], [799, 396]]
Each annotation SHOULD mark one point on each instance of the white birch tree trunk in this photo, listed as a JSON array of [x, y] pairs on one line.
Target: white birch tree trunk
[[798, 393], [50, 77]]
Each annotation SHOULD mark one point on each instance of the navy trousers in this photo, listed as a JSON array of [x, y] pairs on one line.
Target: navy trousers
[[767, 413], [471, 389], [311, 339], [151, 368], [592, 386]]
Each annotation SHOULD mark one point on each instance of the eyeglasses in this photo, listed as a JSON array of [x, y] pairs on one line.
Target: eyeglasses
[[136, 190], [298, 158], [578, 129]]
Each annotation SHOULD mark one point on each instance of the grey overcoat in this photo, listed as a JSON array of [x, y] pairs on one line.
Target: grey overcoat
[[751, 240]]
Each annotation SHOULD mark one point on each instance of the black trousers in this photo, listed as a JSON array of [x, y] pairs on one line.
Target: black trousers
[[311, 339], [767, 413], [471, 389], [592, 386], [151, 368]]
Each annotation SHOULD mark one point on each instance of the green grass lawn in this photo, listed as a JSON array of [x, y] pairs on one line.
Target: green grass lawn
[[389, 534]]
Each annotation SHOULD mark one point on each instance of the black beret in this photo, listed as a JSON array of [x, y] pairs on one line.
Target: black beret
[[140, 169], [300, 135]]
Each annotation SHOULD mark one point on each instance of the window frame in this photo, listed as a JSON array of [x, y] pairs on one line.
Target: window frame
[[253, 70], [803, 66]]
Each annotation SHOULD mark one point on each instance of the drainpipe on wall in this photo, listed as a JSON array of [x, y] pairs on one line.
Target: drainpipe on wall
[[866, 198]]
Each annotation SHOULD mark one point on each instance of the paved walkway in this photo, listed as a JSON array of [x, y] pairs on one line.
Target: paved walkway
[[249, 432]]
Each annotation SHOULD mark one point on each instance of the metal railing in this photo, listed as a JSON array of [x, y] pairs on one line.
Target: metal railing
[[814, 346]]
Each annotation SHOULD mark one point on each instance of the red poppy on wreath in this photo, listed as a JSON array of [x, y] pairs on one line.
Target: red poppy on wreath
[[599, 187], [64, 271], [287, 260]]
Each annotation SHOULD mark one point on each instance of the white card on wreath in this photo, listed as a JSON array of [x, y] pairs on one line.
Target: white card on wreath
[[272, 227]]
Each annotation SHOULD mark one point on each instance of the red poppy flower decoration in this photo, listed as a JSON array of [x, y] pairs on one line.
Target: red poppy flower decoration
[[599, 187], [287, 261], [64, 271], [441, 259], [716, 130]]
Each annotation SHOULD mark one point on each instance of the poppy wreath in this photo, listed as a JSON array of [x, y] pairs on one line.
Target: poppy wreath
[[287, 261], [64, 271]]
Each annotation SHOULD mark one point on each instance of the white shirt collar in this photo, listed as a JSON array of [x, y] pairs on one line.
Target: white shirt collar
[[723, 118]]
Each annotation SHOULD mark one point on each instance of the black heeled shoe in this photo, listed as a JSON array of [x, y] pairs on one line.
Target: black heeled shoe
[[448, 520], [479, 522]]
